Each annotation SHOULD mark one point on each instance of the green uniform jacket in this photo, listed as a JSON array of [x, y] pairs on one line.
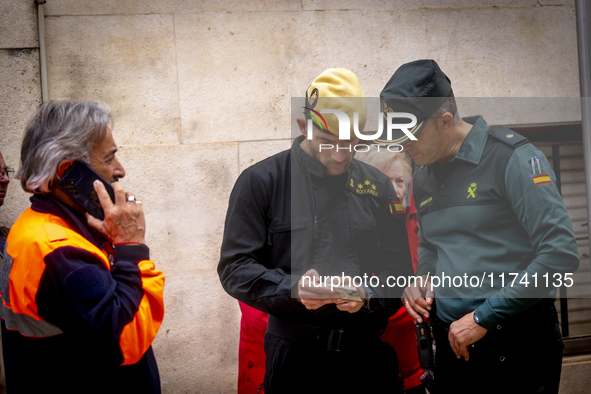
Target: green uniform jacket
[[490, 211]]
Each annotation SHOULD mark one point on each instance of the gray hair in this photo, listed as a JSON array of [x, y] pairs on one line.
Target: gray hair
[[449, 105], [382, 159], [60, 130]]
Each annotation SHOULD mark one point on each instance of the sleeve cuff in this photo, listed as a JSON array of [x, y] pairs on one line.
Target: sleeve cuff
[[489, 319], [132, 253], [425, 269]]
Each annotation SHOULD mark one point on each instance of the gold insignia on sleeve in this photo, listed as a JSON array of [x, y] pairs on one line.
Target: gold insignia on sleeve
[[510, 135]]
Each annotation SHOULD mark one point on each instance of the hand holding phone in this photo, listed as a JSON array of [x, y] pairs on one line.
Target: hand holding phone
[[124, 221], [77, 183], [107, 209]]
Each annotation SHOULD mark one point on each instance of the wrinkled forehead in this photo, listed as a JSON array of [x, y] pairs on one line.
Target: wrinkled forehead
[[398, 168]]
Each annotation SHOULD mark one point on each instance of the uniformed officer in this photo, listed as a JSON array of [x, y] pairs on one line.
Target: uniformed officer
[[488, 208], [315, 211]]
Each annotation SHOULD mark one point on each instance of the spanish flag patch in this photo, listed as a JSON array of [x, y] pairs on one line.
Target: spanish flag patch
[[542, 179], [396, 207]]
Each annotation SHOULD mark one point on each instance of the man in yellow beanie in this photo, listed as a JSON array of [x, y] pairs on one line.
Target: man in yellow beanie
[[304, 222]]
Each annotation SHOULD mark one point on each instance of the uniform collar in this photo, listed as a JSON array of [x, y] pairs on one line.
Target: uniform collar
[[474, 143], [308, 162]]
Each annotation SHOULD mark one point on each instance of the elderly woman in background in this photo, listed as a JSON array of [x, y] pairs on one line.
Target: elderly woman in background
[[400, 332]]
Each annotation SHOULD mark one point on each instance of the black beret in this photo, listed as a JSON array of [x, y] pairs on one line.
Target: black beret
[[419, 88]]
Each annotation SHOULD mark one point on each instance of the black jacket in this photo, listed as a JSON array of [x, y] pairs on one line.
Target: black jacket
[[286, 216]]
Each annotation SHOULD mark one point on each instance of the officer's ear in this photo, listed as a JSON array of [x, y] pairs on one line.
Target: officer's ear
[[303, 126], [63, 167], [445, 121]]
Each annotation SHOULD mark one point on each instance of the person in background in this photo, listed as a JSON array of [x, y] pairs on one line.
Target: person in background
[[400, 332], [251, 350], [5, 174]]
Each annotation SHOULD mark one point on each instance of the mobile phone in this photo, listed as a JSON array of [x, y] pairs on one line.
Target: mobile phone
[[77, 183], [425, 345], [349, 293]]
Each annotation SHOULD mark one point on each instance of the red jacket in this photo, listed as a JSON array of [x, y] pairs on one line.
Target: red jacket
[[400, 332], [251, 353]]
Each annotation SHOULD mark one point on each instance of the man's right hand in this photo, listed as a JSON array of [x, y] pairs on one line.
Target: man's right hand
[[418, 299], [315, 297], [124, 220]]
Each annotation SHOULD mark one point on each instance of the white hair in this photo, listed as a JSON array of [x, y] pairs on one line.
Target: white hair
[[60, 130], [382, 159]]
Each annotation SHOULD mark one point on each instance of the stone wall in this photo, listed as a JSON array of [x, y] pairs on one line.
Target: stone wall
[[201, 89]]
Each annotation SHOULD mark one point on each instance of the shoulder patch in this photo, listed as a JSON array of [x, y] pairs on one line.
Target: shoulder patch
[[540, 179], [365, 186], [54, 232], [395, 207], [507, 136]]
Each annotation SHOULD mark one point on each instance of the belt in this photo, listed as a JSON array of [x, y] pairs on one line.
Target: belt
[[323, 338]]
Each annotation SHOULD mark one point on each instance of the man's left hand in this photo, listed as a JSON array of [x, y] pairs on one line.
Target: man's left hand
[[463, 333], [351, 306]]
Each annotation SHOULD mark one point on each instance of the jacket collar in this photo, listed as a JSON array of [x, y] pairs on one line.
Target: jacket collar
[[46, 203], [312, 165], [474, 143]]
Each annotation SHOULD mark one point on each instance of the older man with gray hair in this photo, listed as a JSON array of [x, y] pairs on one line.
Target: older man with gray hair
[[82, 302]]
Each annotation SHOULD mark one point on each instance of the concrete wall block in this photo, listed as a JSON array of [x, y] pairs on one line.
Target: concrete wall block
[[252, 152], [576, 374], [185, 191], [236, 71], [569, 3], [410, 4], [197, 345], [119, 7], [527, 110], [224, 59], [530, 52], [20, 95], [190, 6], [18, 24], [127, 61], [108, 7]]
